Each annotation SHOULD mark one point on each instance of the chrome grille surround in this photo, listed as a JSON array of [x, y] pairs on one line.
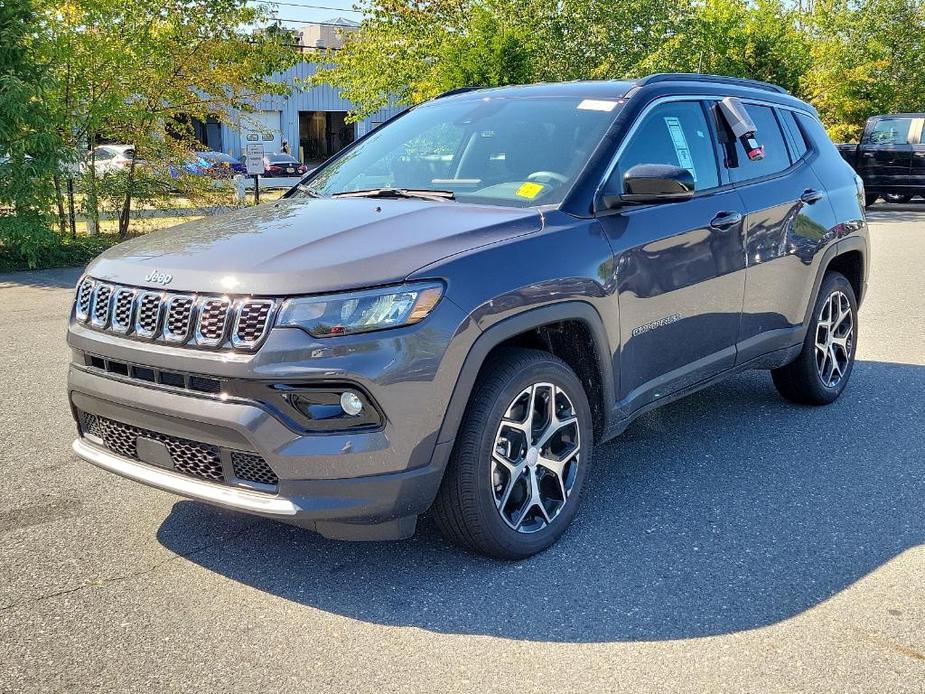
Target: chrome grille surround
[[84, 298], [101, 304], [212, 325], [123, 310], [148, 314], [181, 319], [253, 315], [178, 317]]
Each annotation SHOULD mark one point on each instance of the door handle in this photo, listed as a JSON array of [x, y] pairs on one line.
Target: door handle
[[725, 219], [811, 197], [868, 154]]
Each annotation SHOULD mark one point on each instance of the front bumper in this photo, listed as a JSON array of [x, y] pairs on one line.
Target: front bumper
[[362, 484], [378, 507]]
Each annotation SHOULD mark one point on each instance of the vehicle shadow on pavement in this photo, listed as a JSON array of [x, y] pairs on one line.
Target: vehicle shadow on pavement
[[729, 510]]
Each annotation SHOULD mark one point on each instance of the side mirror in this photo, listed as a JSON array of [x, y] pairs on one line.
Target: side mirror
[[651, 183]]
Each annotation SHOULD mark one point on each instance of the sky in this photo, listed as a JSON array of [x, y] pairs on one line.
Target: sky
[[297, 12]]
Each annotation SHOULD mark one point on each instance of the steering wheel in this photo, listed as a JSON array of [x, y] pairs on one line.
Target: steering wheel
[[547, 176]]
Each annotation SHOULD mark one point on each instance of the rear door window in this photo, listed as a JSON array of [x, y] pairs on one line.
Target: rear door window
[[770, 136]]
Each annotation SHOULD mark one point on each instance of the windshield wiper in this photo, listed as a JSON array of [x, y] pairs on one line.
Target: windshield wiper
[[310, 192], [437, 195]]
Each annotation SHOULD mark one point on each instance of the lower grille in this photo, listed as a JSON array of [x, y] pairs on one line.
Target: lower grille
[[193, 458], [248, 466]]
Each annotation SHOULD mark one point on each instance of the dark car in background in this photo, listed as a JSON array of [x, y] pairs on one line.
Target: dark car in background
[[453, 311], [890, 158], [283, 165]]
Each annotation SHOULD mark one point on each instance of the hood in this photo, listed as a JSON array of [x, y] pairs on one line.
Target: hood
[[308, 245]]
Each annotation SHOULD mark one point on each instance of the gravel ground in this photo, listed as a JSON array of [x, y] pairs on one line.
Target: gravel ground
[[729, 542]]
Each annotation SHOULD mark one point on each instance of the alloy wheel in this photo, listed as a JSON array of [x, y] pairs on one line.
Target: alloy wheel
[[535, 457], [834, 339]]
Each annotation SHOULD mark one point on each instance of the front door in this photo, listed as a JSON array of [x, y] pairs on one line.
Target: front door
[[679, 265]]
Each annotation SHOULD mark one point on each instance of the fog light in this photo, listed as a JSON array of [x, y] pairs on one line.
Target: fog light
[[351, 403]]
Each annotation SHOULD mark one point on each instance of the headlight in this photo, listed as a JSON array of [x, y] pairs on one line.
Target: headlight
[[360, 312]]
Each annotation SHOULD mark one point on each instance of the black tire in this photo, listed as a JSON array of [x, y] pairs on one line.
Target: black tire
[[870, 199], [801, 380], [466, 510]]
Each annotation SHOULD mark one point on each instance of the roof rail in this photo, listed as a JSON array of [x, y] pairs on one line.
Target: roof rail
[[697, 77], [458, 90]]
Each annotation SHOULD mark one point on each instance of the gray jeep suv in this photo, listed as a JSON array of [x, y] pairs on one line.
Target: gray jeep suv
[[451, 313]]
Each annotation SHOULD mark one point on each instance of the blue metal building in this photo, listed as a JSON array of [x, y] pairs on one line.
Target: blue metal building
[[312, 120]]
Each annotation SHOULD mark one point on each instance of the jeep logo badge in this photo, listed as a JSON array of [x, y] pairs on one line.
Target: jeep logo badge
[[158, 277]]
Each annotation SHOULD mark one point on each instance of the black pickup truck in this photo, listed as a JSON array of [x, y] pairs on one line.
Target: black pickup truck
[[890, 157]]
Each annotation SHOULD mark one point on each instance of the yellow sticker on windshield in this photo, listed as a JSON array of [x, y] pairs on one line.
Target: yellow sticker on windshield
[[529, 190]]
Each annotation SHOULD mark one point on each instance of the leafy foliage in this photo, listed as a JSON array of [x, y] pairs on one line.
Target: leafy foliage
[[867, 58], [29, 148], [852, 58]]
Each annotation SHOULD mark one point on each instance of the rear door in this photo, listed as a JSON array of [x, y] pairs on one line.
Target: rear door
[[885, 155], [788, 219], [680, 265]]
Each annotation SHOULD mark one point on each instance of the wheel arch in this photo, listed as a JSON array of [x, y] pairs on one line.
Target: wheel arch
[[546, 328], [849, 257]]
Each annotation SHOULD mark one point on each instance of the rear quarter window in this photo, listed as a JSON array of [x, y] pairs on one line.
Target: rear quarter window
[[794, 135]]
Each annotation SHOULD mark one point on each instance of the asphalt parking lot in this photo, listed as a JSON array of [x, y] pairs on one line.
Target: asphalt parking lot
[[729, 542]]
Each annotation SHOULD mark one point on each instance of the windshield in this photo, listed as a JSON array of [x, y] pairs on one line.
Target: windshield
[[282, 159], [504, 151]]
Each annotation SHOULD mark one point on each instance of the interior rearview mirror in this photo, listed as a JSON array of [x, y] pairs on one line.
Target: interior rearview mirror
[[650, 183]]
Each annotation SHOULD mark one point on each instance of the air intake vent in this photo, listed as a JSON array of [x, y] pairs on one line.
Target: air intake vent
[[193, 458], [253, 468]]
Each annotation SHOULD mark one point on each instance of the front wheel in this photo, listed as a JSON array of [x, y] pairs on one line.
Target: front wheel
[[821, 371], [521, 458]]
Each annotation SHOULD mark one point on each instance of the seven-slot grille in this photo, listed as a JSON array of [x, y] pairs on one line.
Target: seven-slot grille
[[194, 458], [182, 319]]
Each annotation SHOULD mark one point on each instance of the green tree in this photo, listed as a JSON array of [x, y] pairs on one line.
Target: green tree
[[29, 149], [412, 50], [760, 39], [138, 72], [867, 58]]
